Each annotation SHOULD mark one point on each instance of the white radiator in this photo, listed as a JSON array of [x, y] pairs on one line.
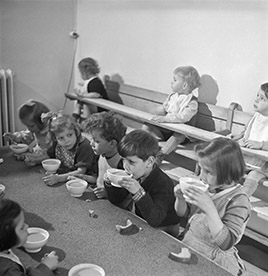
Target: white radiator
[[7, 112]]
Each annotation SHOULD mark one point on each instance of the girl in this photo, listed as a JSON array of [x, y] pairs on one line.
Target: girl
[[179, 107], [216, 219], [69, 146], [92, 87], [13, 233], [255, 136], [35, 135]]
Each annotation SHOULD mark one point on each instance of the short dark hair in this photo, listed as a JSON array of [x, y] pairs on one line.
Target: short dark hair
[[32, 110], [264, 88], [9, 211], [226, 158], [138, 143], [108, 124]]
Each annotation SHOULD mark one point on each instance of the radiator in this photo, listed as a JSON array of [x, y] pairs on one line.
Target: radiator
[[7, 112]]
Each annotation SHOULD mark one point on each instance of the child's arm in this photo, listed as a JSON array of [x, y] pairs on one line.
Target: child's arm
[[226, 231], [182, 116], [180, 203], [35, 158], [24, 136], [251, 144], [203, 201], [90, 95], [53, 179], [48, 264]]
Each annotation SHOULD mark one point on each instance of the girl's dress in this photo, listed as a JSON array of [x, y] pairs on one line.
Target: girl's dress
[[10, 265], [80, 156], [181, 108], [93, 84], [234, 209]]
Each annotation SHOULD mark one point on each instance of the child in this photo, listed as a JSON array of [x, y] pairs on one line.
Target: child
[[150, 191], [13, 234], [35, 135], [216, 219], [91, 88], [69, 146], [255, 136], [105, 130], [180, 107]]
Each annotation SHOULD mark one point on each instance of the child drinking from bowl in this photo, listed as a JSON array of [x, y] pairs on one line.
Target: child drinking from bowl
[[105, 130], [13, 234], [35, 135], [149, 193], [71, 148], [216, 220]]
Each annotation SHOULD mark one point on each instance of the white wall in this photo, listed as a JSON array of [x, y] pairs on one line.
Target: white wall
[[35, 44], [143, 41]]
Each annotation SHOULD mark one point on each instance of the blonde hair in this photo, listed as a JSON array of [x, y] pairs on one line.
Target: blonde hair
[[190, 75], [88, 66], [58, 122]]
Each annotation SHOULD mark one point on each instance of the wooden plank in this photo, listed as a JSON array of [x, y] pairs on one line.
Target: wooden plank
[[139, 103], [134, 91], [241, 118], [145, 117], [214, 111]]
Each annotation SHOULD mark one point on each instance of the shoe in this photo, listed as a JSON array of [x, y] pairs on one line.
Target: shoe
[[76, 117], [160, 156]]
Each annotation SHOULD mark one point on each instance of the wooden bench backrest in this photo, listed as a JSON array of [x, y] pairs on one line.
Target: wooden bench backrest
[[210, 117]]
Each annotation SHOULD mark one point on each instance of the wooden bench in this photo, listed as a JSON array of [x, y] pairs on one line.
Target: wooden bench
[[135, 104]]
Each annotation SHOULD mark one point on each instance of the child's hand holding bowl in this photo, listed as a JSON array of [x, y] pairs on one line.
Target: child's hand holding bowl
[[51, 260], [131, 184]]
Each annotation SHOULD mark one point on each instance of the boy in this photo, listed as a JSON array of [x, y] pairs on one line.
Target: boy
[[180, 106], [255, 136], [104, 130], [150, 191]]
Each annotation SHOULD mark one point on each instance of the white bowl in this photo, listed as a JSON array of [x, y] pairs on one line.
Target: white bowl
[[186, 182], [115, 175], [86, 269], [2, 190], [51, 165], [76, 187], [19, 148], [37, 238]]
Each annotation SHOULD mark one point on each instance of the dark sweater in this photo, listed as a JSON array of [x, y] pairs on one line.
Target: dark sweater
[[157, 206]]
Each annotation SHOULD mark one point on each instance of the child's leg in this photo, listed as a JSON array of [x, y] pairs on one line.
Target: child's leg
[[77, 110], [153, 130], [88, 109], [253, 179], [170, 145]]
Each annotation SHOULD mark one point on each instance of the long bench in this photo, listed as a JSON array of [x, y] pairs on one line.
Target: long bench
[[135, 103]]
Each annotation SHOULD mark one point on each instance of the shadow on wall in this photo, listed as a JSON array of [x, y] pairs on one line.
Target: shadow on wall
[[117, 78], [112, 86], [208, 90]]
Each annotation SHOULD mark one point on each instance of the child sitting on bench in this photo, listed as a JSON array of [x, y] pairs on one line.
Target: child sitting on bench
[[180, 106]]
